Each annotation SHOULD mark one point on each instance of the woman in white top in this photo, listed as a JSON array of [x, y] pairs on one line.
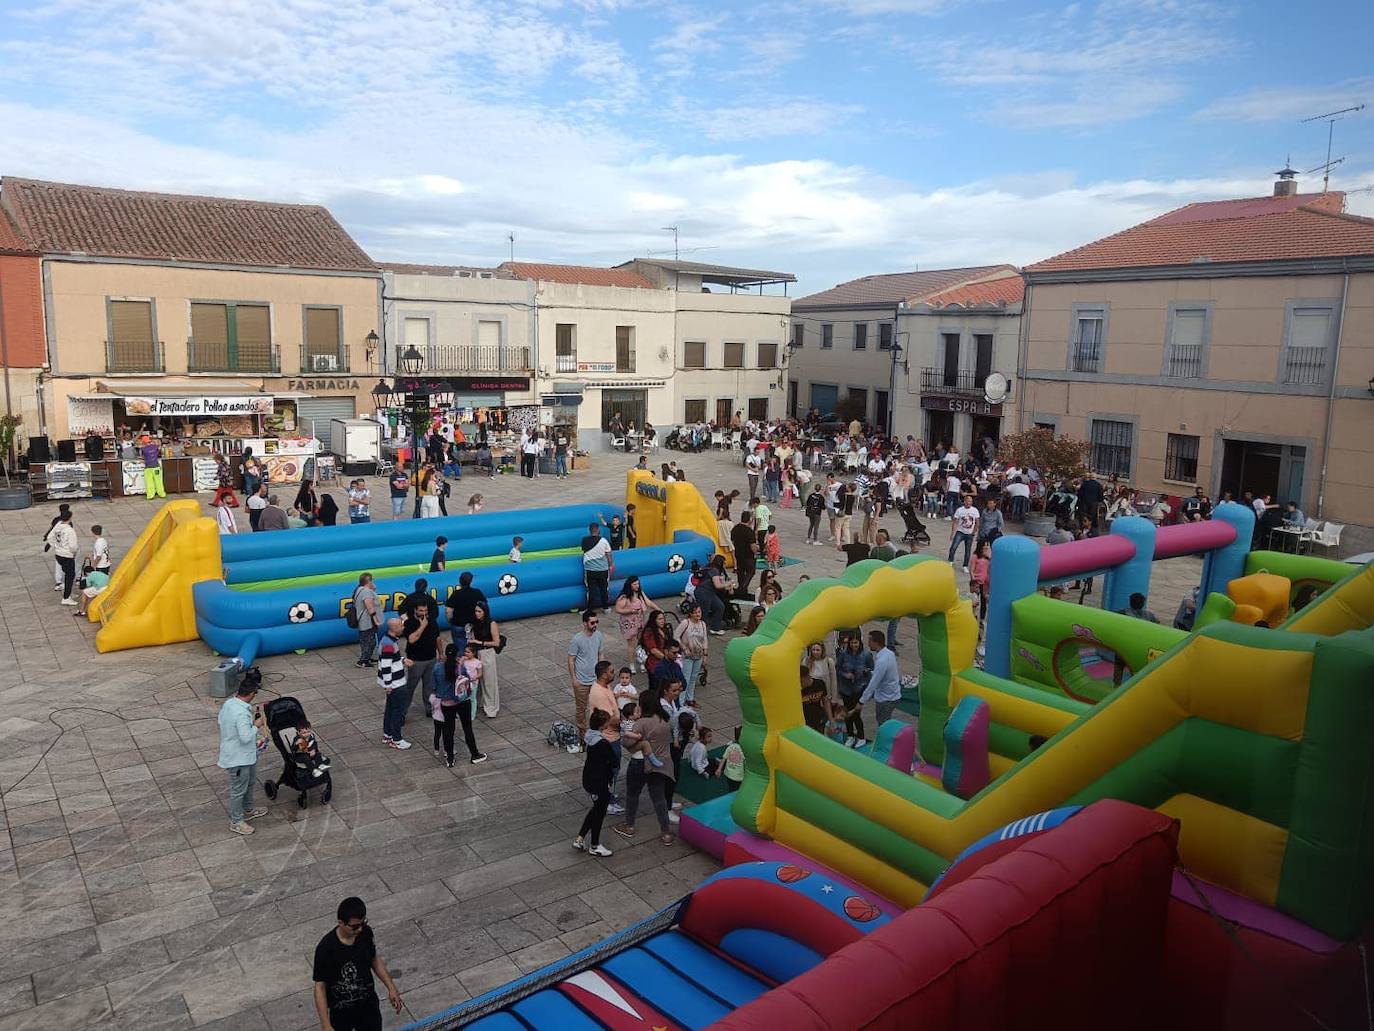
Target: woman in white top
[[822, 667]]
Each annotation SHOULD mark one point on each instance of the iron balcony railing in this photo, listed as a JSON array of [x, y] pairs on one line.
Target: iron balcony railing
[[134, 356], [470, 358], [1305, 365], [952, 383], [215, 356], [322, 363], [1087, 356], [565, 363], [1185, 361]]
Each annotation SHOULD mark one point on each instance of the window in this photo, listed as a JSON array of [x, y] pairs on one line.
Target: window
[[694, 354], [488, 338], [858, 398], [624, 349], [734, 354], [630, 405], [1180, 458], [725, 407], [1051, 427], [415, 333], [132, 346], [1309, 339], [798, 334], [860, 336], [323, 350], [758, 409], [694, 410], [880, 412], [1187, 336], [768, 354], [1088, 332], [982, 343], [1111, 447], [230, 338], [951, 369], [565, 347], [884, 336], [827, 336]]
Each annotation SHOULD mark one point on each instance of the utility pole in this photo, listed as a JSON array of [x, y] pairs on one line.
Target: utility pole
[[511, 237], [1331, 118]]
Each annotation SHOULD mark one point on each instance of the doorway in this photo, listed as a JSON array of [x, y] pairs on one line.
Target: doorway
[[989, 426], [880, 410], [1264, 468], [631, 405], [940, 429]]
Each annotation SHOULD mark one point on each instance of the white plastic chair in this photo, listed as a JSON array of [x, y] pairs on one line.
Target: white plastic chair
[[851, 461], [1329, 536], [618, 442], [717, 439], [736, 440]]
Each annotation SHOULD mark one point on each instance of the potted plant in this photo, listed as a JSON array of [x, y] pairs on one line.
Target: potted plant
[[12, 495], [1056, 458]]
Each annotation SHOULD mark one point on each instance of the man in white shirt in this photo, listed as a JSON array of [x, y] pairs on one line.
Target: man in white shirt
[[966, 519], [224, 518], [952, 488], [256, 504]]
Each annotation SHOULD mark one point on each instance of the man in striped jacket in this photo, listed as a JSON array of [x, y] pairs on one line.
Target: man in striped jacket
[[391, 678]]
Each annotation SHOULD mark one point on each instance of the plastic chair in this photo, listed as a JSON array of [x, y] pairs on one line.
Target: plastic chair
[[618, 442], [1329, 536], [717, 439]]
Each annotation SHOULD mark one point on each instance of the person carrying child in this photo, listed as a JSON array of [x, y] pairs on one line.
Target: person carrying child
[[306, 750], [454, 681]]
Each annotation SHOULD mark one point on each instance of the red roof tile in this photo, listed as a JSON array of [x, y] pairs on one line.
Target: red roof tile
[[585, 275], [10, 240], [1255, 229], [65, 219], [891, 288], [989, 293]]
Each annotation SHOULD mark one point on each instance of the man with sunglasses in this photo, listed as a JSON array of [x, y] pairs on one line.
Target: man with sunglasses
[[585, 650], [345, 960]]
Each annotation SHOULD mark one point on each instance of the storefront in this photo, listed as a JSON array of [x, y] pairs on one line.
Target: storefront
[[478, 413], [959, 422]]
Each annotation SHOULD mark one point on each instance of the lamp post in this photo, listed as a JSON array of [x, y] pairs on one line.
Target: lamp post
[[892, 388], [417, 398], [371, 340]]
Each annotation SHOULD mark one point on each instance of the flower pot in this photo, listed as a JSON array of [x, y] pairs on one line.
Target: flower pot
[[14, 498]]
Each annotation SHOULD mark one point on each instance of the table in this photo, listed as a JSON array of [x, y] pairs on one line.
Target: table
[[1287, 535]]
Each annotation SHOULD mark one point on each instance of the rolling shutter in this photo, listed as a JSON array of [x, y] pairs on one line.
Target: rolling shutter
[[313, 414], [131, 322], [210, 336], [254, 325], [321, 331]]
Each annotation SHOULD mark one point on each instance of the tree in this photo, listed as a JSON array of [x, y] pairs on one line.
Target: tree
[[1055, 457], [9, 426]]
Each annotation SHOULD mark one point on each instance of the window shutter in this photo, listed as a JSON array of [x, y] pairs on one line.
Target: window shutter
[[131, 322], [694, 354], [210, 336], [1188, 326], [417, 333], [768, 356], [488, 334], [1311, 327], [253, 326], [322, 331]]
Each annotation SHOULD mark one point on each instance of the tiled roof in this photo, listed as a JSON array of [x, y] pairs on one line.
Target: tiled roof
[[476, 271], [1255, 229], [1001, 292], [10, 240], [64, 219], [891, 288], [585, 275]]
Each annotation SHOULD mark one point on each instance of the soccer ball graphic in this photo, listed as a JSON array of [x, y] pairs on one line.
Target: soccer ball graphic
[[508, 584], [676, 563], [301, 612]]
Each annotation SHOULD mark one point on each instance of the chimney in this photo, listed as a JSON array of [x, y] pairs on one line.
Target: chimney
[[1287, 183]]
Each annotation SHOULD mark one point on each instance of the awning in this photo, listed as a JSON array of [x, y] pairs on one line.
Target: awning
[[161, 388]]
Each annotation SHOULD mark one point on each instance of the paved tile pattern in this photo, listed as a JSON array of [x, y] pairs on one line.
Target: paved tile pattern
[[126, 902]]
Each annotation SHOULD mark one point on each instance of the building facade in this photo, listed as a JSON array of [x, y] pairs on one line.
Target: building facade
[[168, 303], [1227, 345], [23, 354]]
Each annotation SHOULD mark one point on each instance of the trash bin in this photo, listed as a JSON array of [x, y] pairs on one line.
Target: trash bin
[[224, 678]]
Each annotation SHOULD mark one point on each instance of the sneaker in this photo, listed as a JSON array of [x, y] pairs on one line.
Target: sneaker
[[360, 664], [579, 844], [676, 806], [615, 809], [623, 831], [478, 759], [448, 763], [599, 850], [966, 569], [254, 814], [69, 601], [400, 743], [57, 587], [386, 739], [438, 754], [713, 633], [655, 762], [241, 828], [673, 817]]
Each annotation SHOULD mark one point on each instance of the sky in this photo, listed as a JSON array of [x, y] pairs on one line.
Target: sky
[[826, 138]]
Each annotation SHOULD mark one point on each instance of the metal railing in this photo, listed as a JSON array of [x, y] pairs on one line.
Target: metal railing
[[322, 363], [215, 357], [952, 382], [1305, 365], [470, 358], [134, 356], [565, 363], [1087, 356], [1185, 361]]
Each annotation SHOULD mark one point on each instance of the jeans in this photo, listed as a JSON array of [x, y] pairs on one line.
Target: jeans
[[394, 716], [459, 636], [360, 519], [453, 470], [853, 725], [951, 502], [68, 565], [241, 780], [367, 644], [932, 504], [885, 710], [636, 780], [813, 528], [892, 632], [598, 588], [669, 789], [966, 539], [744, 572], [418, 675], [591, 823], [398, 507], [771, 490], [527, 466], [691, 669], [560, 465], [712, 610], [250, 484]]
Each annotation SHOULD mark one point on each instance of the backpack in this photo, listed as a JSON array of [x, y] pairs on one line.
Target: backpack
[[351, 611], [564, 735]]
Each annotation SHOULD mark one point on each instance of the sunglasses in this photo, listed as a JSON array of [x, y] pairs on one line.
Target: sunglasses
[[355, 928], [593, 622]]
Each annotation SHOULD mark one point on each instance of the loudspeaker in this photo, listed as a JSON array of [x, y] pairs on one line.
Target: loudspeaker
[[39, 452], [66, 451]]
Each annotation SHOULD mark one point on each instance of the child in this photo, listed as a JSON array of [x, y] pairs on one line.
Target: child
[[438, 561], [834, 723], [772, 547], [474, 504], [732, 763], [697, 756], [100, 550], [616, 533], [624, 689], [979, 570], [514, 555], [631, 537], [632, 742], [307, 750]]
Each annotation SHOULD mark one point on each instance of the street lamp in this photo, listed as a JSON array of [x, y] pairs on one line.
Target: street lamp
[[412, 361], [892, 388], [417, 399]]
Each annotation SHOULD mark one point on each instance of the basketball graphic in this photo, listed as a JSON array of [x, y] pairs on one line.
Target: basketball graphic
[[789, 874], [860, 910]]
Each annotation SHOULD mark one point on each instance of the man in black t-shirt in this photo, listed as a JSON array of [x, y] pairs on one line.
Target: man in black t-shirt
[[345, 960], [420, 597], [421, 635], [460, 605], [438, 560]]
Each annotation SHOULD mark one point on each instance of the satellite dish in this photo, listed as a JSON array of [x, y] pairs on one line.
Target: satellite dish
[[995, 388]]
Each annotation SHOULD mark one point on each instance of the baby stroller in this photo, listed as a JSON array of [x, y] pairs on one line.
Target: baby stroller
[[282, 714], [916, 533]]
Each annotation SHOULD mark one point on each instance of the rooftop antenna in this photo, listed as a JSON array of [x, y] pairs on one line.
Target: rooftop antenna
[[511, 237], [673, 230], [1331, 118]]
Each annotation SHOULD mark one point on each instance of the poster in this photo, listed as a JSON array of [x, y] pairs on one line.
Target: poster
[[204, 474], [85, 414], [68, 479], [212, 406], [133, 477]]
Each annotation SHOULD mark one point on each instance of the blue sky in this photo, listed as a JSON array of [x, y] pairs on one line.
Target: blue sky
[[830, 138]]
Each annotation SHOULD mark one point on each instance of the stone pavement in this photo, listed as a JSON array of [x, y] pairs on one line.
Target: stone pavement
[[127, 902]]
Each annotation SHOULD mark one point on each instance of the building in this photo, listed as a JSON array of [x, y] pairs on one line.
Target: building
[[1227, 345], [648, 339], [913, 349], [164, 304], [23, 355]]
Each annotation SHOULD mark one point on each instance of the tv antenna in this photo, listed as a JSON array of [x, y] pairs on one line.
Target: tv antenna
[[1331, 118], [673, 230], [511, 237]]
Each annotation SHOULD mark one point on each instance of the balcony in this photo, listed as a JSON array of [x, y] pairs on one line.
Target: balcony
[[565, 363], [450, 358], [134, 356], [961, 383], [218, 356], [322, 363], [1185, 361], [1087, 357]]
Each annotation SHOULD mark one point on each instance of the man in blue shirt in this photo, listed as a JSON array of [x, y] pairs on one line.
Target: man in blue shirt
[[238, 752], [885, 684]]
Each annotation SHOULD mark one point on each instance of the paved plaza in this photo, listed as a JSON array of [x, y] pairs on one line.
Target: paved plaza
[[126, 900]]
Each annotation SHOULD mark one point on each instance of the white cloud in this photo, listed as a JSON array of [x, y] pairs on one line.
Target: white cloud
[[1288, 103]]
